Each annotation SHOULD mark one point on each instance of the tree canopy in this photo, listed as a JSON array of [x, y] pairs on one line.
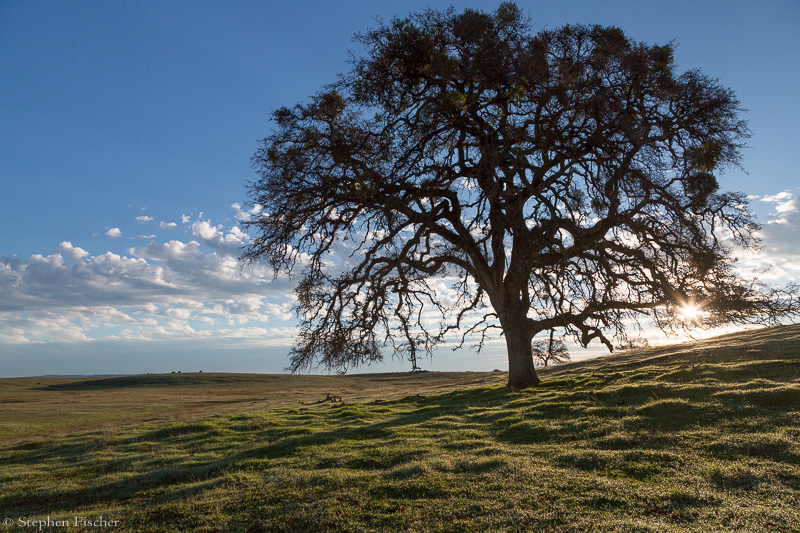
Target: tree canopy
[[560, 180]]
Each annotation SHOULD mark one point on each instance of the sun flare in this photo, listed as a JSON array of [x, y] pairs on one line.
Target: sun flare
[[690, 312]]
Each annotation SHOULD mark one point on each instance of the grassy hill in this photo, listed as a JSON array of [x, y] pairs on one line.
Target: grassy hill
[[702, 436]]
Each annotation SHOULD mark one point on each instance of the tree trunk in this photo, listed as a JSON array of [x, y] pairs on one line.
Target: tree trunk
[[521, 372], [549, 349]]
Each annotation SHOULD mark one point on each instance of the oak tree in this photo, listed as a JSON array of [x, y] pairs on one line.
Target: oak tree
[[552, 350], [485, 176], [625, 343]]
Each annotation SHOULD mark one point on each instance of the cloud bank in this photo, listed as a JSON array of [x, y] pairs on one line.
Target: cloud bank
[[184, 285], [171, 289]]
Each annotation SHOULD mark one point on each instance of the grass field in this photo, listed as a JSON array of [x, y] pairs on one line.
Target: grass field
[[58, 406], [696, 437]]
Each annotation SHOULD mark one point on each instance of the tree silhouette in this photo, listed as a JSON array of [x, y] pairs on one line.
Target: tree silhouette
[[550, 351], [626, 343], [560, 180]]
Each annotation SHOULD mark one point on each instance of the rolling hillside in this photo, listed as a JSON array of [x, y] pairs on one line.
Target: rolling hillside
[[702, 436]]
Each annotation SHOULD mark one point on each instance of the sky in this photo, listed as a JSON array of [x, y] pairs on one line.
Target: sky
[[126, 131]]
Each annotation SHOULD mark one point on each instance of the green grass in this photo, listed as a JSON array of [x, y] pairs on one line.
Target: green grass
[[700, 437]]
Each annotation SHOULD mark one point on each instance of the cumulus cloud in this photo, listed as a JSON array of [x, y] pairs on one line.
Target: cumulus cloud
[[778, 261], [180, 287], [241, 214], [780, 232], [190, 287], [779, 198], [44, 326], [193, 286], [72, 252], [50, 282], [227, 243]]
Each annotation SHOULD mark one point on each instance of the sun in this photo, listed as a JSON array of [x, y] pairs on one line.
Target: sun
[[691, 312]]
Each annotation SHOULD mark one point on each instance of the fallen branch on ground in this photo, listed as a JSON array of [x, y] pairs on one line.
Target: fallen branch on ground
[[329, 398]]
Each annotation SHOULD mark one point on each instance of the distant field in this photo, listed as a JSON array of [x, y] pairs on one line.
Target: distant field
[[697, 437], [55, 406]]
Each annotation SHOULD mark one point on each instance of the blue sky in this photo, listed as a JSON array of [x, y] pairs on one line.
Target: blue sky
[[126, 130]]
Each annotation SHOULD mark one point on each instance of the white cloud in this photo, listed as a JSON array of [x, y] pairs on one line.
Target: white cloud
[[49, 282], [780, 252], [777, 198], [193, 287], [181, 326], [174, 289], [781, 231], [786, 202], [170, 251], [241, 214], [179, 313], [214, 237], [279, 311], [39, 327], [73, 252], [790, 206], [205, 230]]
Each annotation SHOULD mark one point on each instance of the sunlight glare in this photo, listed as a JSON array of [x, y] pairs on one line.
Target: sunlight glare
[[690, 313]]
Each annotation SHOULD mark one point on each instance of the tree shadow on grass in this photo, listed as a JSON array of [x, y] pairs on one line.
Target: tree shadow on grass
[[542, 415], [76, 447], [60, 501], [204, 476]]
